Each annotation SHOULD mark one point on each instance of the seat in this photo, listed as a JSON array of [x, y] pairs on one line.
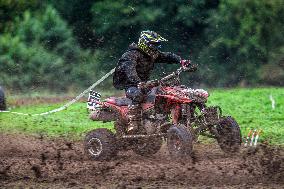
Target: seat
[[119, 101]]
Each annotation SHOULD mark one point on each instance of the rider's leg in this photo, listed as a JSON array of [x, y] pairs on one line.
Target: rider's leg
[[135, 109]]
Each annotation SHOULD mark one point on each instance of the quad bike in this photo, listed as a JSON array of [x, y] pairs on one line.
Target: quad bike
[[171, 111]]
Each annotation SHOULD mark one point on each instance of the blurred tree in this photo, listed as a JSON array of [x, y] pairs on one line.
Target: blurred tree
[[43, 47], [123, 20], [182, 22], [78, 15], [25, 66], [243, 36], [234, 42], [9, 9]]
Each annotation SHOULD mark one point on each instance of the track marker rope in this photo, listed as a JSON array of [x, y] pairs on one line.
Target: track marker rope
[[68, 103]]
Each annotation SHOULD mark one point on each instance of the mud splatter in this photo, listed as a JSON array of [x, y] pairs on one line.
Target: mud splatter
[[40, 162]]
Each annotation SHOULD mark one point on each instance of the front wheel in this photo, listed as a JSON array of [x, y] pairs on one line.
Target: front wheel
[[100, 144], [229, 135], [179, 141]]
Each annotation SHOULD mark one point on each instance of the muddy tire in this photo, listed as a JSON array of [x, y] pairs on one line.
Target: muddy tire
[[2, 100], [148, 147], [230, 135], [179, 141], [100, 144]]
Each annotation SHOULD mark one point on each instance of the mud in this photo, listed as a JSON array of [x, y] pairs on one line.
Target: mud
[[37, 162]]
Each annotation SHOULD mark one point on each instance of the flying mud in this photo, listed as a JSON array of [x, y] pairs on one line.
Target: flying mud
[[38, 162]]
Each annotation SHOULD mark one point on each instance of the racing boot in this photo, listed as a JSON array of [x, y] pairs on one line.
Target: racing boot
[[135, 119]]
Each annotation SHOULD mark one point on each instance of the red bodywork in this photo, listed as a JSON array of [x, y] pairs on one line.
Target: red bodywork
[[169, 100]]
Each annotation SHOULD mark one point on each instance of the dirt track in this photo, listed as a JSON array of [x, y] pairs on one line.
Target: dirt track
[[42, 163]]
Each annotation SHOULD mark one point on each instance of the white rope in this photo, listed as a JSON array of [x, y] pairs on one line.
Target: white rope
[[70, 102]]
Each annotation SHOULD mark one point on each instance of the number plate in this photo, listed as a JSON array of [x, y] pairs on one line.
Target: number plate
[[93, 100]]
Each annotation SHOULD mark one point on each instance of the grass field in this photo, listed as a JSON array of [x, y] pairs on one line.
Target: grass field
[[250, 107]]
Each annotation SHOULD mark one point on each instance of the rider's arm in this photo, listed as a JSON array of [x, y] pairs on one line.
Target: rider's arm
[[168, 57], [128, 67]]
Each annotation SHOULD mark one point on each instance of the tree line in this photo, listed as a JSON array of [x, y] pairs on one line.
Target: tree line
[[65, 44]]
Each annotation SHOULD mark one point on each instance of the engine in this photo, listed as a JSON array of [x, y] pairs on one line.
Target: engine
[[153, 123]]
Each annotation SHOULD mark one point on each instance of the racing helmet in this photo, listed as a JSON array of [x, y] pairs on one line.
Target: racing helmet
[[149, 42]]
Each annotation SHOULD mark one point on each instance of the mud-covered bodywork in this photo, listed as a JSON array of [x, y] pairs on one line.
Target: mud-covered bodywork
[[110, 108], [183, 93], [113, 106]]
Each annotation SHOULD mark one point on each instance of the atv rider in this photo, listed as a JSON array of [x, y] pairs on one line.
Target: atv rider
[[134, 68]]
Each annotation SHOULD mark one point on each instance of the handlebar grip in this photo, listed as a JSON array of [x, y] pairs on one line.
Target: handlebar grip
[[191, 68]]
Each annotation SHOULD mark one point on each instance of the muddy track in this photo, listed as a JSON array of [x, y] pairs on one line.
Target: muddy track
[[37, 162]]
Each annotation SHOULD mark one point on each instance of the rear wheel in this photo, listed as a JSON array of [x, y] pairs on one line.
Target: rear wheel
[[229, 135], [100, 144], [2, 100], [147, 147], [179, 141]]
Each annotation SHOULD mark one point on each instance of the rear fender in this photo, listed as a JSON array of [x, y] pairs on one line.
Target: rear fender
[[102, 115], [109, 112]]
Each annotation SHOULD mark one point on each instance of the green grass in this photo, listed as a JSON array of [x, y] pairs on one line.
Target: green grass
[[72, 122], [252, 110], [250, 107]]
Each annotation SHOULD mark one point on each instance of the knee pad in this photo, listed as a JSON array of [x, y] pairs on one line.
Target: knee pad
[[134, 94]]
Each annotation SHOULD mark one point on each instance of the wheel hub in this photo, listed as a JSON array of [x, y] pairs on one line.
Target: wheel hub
[[95, 146], [176, 142]]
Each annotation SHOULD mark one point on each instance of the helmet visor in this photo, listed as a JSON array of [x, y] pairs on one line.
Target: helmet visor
[[156, 45]]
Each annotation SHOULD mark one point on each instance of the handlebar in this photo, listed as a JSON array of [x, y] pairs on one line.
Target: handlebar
[[154, 83]]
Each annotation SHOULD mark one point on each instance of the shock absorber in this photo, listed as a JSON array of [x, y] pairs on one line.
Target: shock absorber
[[184, 110], [176, 114]]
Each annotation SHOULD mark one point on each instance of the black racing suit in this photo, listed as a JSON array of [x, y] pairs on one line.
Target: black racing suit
[[135, 66]]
